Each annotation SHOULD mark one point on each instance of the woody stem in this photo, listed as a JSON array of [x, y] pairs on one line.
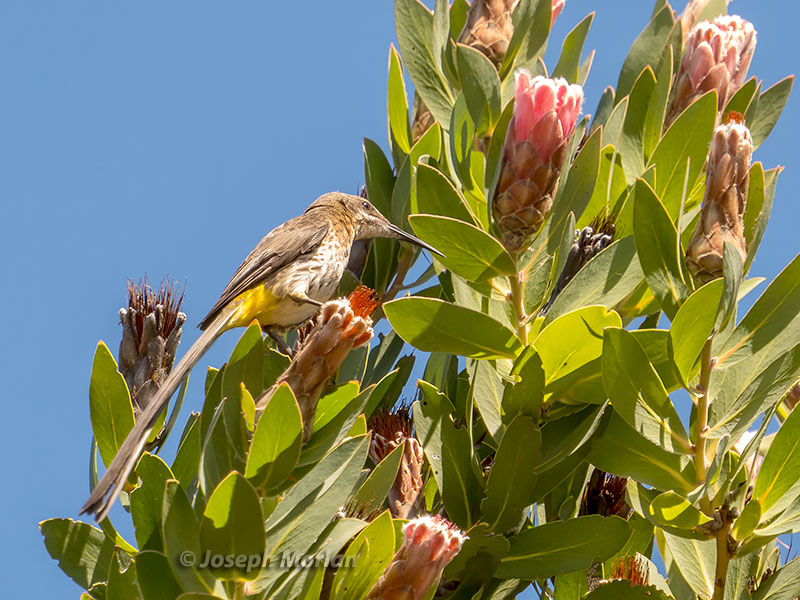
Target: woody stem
[[700, 467], [723, 556]]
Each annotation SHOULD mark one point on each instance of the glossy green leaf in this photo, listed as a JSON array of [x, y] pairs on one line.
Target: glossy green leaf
[[187, 457], [372, 493], [673, 510], [606, 193], [415, 37], [770, 105], [378, 176], [155, 577], [276, 442], [692, 326], [570, 59], [656, 344], [619, 449], [370, 552], [433, 325], [563, 547], [657, 247], [696, 561], [687, 138], [562, 438], [147, 501], [479, 556], [436, 195], [481, 86], [781, 585], [461, 479], [637, 393], [760, 196], [180, 535], [631, 139], [646, 50], [623, 590], [747, 521], [83, 552], [524, 389], [657, 106], [606, 279], [399, 129], [487, 394], [511, 477], [780, 471], [532, 20], [110, 406], [771, 326], [468, 251]]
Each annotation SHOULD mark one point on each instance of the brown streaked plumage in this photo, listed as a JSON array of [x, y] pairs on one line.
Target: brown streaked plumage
[[281, 283]]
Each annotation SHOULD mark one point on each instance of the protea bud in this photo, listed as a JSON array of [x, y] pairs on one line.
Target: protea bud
[[489, 28], [717, 57], [151, 329], [391, 429], [721, 219], [545, 114], [340, 326], [587, 245], [429, 544], [604, 495]]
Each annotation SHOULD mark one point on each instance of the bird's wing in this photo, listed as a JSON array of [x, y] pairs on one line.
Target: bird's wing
[[280, 247]]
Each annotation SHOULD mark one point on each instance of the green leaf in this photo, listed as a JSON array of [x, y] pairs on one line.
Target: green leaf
[[569, 61], [532, 19], [771, 326], [436, 195], [372, 493], [562, 438], [433, 325], [234, 524], [574, 196], [657, 246], [461, 479], [733, 273], [399, 129], [655, 343], [563, 547], [122, 579], [155, 577], [479, 556], [570, 343], [468, 251], [657, 106], [606, 280], [378, 176], [695, 560], [781, 585], [609, 187], [780, 471], [147, 501], [481, 86], [646, 50], [631, 139], [415, 38], [83, 552], [692, 326], [524, 390], [687, 138], [187, 457], [637, 393], [511, 477], [487, 394], [110, 406], [180, 535], [276, 442], [370, 553], [747, 521], [768, 110], [621, 450], [672, 510], [623, 590], [760, 196]]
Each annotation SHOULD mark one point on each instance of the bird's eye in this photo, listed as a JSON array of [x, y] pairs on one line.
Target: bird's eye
[[366, 205]]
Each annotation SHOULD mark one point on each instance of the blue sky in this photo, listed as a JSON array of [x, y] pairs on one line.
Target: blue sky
[[168, 138]]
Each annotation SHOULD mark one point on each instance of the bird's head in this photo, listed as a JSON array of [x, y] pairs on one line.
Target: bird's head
[[368, 222]]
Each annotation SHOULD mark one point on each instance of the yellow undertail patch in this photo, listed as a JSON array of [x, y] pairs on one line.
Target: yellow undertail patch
[[256, 303]]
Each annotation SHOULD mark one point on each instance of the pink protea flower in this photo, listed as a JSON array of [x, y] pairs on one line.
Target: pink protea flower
[[545, 114], [558, 6], [429, 544], [722, 216], [717, 57]]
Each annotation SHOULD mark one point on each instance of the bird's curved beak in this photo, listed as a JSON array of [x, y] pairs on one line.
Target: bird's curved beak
[[407, 237]]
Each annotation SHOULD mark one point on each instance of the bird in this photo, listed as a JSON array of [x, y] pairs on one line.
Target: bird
[[292, 271]]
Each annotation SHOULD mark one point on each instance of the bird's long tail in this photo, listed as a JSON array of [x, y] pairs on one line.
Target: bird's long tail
[[107, 490]]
